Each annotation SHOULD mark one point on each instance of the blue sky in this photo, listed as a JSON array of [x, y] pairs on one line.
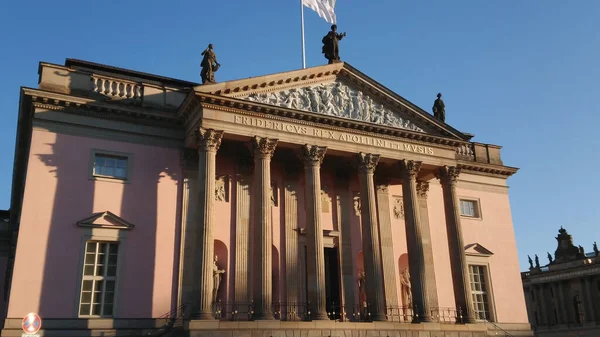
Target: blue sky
[[521, 74]]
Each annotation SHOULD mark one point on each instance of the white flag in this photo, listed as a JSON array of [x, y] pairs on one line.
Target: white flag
[[325, 8]]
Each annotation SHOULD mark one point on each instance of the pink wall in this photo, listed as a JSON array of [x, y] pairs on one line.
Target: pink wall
[[58, 193]]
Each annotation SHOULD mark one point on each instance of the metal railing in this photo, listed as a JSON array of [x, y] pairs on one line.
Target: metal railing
[[496, 327]]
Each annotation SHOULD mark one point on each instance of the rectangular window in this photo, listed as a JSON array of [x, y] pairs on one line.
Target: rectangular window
[[479, 292], [110, 166], [99, 279], [469, 208]]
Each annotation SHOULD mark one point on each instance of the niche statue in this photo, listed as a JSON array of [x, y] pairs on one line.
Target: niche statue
[[209, 65], [330, 45], [216, 279], [406, 288]]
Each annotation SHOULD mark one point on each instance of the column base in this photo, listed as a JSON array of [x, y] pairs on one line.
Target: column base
[[425, 319], [264, 317], [378, 318], [320, 317], [204, 316]]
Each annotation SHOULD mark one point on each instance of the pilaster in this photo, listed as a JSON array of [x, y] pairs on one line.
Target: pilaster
[[208, 142], [263, 149], [313, 157], [460, 270], [414, 240], [370, 235], [387, 245]]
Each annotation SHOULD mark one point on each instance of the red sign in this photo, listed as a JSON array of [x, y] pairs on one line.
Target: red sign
[[31, 323]]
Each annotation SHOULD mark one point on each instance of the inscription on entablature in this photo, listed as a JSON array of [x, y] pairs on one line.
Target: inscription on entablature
[[328, 134]]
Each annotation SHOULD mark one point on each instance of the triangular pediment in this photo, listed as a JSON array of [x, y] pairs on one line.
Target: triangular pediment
[[339, 91], [477, 249], [105, 219]]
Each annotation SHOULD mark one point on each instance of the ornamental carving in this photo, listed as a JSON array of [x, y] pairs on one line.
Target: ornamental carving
[[263, 147], [367, 162], [410, 167], [313, 155], [422, 189], [222, 188], [208, 139], [398, 209], [382, 188], [336, 99], [356, 204], [448, 175]]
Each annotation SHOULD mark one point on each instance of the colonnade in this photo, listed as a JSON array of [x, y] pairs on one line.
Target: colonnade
[[417, 233]]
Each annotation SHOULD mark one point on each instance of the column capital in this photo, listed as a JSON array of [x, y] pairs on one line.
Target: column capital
[[422, 189], [410, 167], [208, 139], [367, 162], [264, 147], [448, 175], [312, 155]]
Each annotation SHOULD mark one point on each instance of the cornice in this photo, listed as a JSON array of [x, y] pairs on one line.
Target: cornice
[[301, 117], [487, 169], [89, 107]]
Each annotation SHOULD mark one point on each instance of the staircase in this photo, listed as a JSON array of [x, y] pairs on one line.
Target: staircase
[[497, 331], [172, 321]]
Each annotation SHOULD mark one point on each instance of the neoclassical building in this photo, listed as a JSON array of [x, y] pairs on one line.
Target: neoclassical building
[[314, 199], [563, 296]]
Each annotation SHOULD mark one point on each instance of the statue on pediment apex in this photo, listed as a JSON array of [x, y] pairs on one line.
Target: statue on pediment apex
[[331, 45], [439, 108], [596, 251], [209, 65], [566, 250]]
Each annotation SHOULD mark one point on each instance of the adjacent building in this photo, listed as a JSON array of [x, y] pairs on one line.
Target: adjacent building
[[563, 297], [314, 199]]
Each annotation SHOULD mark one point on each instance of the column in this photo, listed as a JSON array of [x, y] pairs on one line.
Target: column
[[587, 299], [542, 307], [344, 209], [370, 236], [460, 270], [594, 297], [430, 283], [208, 141], [414, 241], [561, 302], [242, 277], [387, 246], [292, 267], [313, 157], [263, 241], [556, 305]]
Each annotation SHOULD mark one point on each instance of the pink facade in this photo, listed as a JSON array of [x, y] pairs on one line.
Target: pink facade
[[65, 199]]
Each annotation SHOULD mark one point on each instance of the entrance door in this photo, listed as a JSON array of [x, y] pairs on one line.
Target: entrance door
[[332, 282]]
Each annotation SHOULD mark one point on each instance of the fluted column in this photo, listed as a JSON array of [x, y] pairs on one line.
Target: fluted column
[[414, 239], [263, 240], [292, 264], [460, 270], [242, 241], [208, 141], [387, 245], [313, 157], [370, 235], [344, 209], [430, 283]]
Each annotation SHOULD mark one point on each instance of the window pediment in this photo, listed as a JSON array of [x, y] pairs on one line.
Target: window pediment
[[475, 249], [105, 219]]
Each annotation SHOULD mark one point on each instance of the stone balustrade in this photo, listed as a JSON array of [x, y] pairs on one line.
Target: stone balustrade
[[116, 88]]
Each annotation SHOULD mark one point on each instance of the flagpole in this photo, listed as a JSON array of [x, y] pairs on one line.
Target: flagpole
[[303, 50]]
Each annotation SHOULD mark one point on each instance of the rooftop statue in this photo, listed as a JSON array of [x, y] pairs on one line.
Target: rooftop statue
[[209, 65], [439, 108], [596, 251], [330, 45], [566, 250]]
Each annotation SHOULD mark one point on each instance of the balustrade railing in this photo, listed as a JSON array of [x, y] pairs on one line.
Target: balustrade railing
[[297, 311], [116, 88]]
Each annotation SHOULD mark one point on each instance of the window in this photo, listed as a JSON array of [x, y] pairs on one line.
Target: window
[[479, 292], [110, 166], [99, 279], [469, 208]]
